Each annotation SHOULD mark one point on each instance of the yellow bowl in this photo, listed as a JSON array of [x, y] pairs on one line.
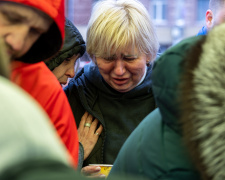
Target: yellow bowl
[[105, 168]]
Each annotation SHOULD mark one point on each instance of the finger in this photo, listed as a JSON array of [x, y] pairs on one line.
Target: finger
[[88, 123], [83, 120], [94, 125], [99, 130], [97, 176], [90, 169], [89, 118]]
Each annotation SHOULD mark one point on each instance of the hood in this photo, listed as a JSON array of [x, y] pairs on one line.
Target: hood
[[73, 44], [50, 42], [203, 104], [203, 31], [166, 80]]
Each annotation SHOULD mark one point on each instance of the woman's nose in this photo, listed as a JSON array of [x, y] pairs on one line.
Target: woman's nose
[[17, 39], [70, 72], [119, 67]]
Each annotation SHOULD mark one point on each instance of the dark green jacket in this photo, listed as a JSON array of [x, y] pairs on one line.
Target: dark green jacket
[[119, 113], [156, 149]]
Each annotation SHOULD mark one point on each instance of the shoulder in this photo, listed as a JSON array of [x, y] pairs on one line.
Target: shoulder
[[46, 84], [36, 79], [183, 46], [173, 58]]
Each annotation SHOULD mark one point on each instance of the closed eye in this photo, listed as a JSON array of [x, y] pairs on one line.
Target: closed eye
[[35, 31], [129, 58], [67, 59], [111, 58], [13, 18]]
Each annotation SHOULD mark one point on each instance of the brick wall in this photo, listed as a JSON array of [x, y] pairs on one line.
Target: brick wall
[[82, 11]]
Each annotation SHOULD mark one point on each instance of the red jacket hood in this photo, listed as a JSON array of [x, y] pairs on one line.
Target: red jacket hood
[[49, 43]]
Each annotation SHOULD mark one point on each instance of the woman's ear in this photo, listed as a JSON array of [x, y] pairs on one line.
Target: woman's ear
[[148, 61], [209, 19]]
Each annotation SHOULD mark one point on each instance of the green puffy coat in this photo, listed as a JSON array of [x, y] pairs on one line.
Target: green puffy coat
[[156, 148]]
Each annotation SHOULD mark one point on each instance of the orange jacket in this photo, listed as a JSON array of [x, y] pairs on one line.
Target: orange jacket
[[43, 86], [35, 78]]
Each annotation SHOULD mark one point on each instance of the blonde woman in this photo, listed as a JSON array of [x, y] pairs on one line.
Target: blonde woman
[[116, 87]]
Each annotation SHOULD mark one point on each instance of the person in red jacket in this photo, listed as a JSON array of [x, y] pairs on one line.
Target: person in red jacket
[[33, 31]]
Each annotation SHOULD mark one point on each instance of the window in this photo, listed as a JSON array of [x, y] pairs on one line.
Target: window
[[202, 8], [159, 10]]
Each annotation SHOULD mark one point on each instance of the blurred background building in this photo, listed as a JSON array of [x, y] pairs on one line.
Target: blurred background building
[[174, 19]]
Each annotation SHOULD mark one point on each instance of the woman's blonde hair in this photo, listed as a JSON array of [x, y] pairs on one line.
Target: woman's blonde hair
[[118, 24]]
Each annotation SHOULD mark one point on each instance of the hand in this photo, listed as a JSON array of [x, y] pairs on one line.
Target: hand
[[92, 171], [88, 133]]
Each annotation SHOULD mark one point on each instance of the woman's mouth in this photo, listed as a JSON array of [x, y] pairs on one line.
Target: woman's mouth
[[63, 83], [120, 81]]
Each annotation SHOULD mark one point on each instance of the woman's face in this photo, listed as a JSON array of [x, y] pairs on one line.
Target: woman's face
[[123, 71], [66, 69], [20, 27]]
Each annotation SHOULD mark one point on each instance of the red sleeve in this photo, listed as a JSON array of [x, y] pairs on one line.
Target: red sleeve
[[41, 83]]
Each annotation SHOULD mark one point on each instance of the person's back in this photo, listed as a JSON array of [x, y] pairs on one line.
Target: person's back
[[202, 97], [190, 101], [155, 149]]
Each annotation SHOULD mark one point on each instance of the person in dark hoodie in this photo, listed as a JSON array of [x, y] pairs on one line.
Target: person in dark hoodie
[[63, 63], [115, 87], [184, 137], [63, 67]]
